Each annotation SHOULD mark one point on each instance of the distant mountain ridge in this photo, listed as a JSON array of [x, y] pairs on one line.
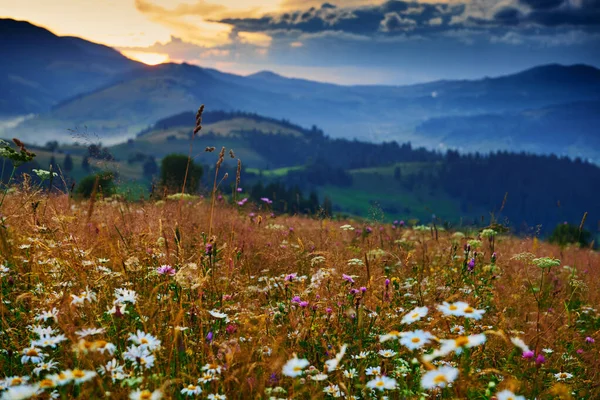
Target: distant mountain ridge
[[39, 68], [80, 84]]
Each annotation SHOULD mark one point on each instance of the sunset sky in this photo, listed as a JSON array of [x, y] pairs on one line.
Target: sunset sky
[[348, 41]]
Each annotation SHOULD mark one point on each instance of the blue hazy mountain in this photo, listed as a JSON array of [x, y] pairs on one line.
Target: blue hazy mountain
[[73, 83], [39, 69]]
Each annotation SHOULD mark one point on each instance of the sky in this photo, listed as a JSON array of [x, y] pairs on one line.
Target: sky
[[340, 41]]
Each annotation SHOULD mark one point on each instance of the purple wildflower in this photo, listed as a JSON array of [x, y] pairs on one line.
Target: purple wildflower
[[166, 270], [589, 339], [540, 359], [471, 264], [347, 278], [528, 354]]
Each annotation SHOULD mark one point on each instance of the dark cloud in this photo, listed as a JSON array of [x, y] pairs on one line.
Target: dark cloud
[[400, 17], [508, 16], [542, 4], [391, 17]]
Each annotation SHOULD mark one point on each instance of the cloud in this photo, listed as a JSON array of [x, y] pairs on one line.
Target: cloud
[[200, 7], [542, 4], [403, 41], [393, 22]]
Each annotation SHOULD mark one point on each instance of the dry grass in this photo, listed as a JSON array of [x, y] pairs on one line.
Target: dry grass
[[241, 271]]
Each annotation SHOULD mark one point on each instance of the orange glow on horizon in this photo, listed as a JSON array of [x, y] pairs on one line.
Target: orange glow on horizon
[[147, 58]]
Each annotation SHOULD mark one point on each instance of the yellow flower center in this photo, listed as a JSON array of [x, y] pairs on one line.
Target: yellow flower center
[[146, 394], [32, 352], [379, 384], [46, 383], [144, 341], [452, 307], [191, 387], [469, 310], [100, 344], [414, 315], [461, 341], [415, 340], [16, 381], [440, 379], [77, 373], [296, 369]]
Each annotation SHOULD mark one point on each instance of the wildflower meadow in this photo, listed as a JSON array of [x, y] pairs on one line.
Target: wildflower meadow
[[188, 297]]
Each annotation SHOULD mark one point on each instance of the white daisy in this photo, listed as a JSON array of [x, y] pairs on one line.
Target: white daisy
[[80, 376], [440, 377], [415, 339], [333, 390], [387, 353], [218, 314], [125, 296], [62, 378], [49, 341], [191, 390], [295, 367], [45, 366], [332, 364], [382, 383], [373, 371], [212, 369], [318, 377], [145, 395], [460, 309], [456, 345], [361, 355], [518, 342], [350, 373], [562, 376], [33, 355], [390, 336], [508, 395], [21, 392], [415, 315], [145, 340], [46, 315], [89, 332], [140, 356]]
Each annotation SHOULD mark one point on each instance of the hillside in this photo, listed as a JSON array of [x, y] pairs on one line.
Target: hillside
[[116, 102], [569, 129], [39, 69], [390, 180], [142, 97]]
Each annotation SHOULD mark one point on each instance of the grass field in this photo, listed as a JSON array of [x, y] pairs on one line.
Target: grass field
[[175, 299]]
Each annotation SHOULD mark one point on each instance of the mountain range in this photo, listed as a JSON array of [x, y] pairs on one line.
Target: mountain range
[[72, 84]]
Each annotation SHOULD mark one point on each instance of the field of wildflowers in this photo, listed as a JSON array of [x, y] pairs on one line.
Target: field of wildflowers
[[147, 300], [192, 297]]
